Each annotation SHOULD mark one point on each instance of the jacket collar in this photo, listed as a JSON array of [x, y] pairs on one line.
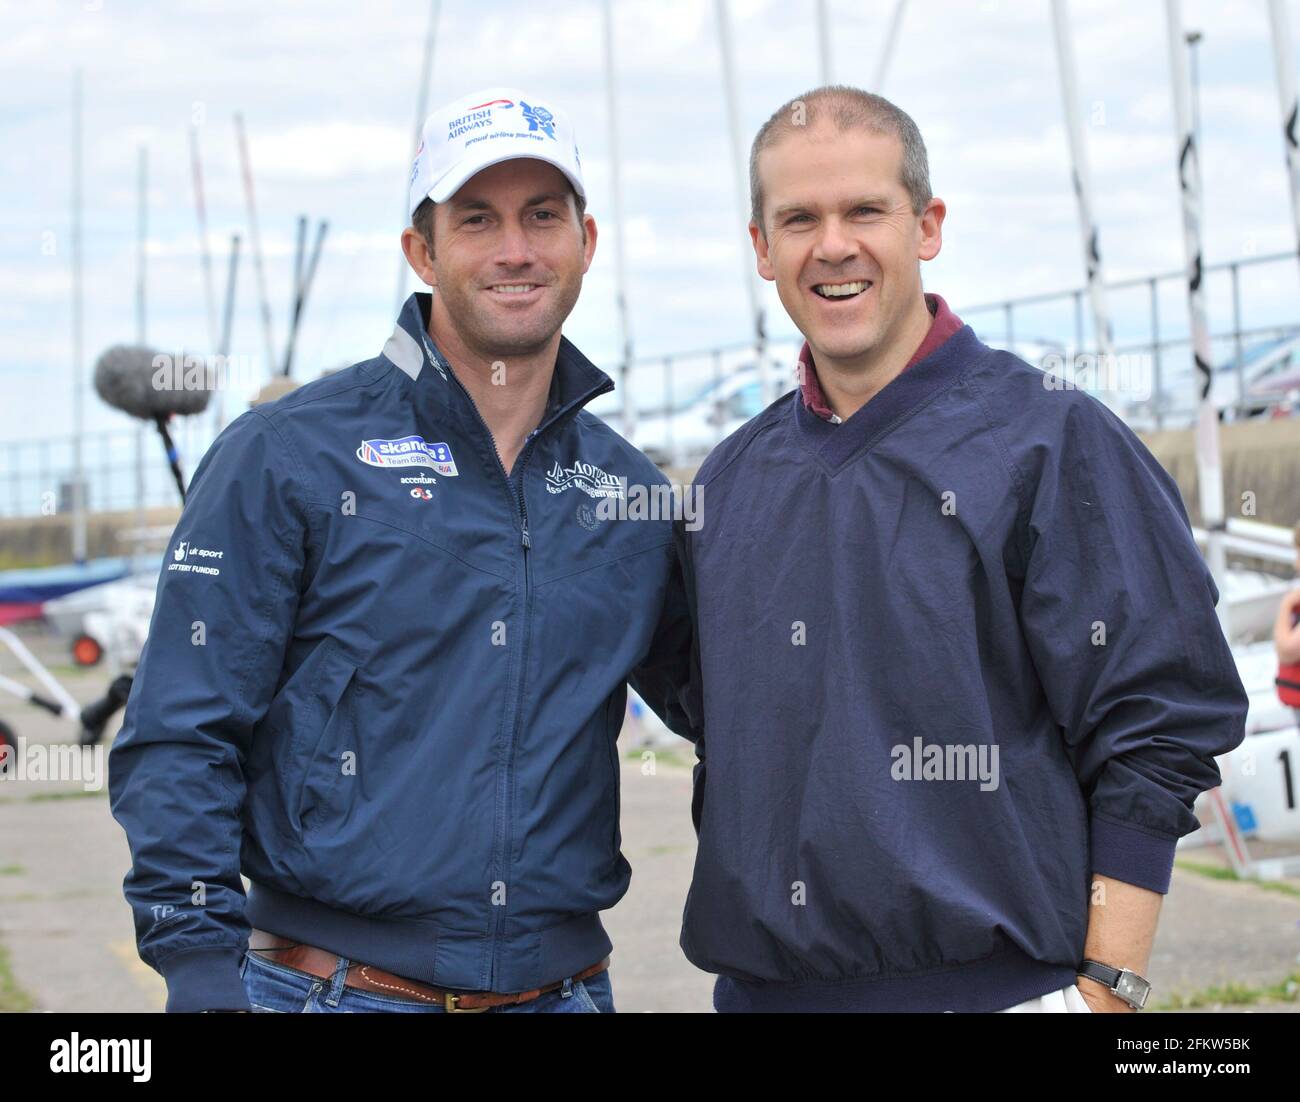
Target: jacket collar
[[574, 383], [901, 397]]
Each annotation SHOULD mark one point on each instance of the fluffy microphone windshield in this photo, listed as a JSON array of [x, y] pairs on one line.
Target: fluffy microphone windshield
[[147, 384]]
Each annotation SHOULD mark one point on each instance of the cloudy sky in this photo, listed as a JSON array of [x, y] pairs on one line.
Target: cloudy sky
[[329, 89]]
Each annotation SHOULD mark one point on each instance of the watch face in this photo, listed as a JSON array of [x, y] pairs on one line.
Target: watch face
[[1133, 989]]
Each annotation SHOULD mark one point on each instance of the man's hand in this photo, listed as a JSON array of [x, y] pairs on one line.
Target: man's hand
[[1286, 633], [1121, 927], [1101, 999]]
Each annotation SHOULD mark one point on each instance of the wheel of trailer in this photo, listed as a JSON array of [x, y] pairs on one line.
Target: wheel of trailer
[[86, 651]]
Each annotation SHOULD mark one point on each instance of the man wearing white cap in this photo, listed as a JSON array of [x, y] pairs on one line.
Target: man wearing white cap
[[500, 174], [419, 628]]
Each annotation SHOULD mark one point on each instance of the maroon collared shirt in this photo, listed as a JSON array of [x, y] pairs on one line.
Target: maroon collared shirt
[[944, 325]]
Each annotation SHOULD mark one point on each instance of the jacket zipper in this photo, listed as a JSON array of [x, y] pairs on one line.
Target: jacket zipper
[[503, 830], [507, 839], [526, 543]]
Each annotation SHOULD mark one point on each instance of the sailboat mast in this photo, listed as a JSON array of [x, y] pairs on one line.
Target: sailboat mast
[[765, 381], [616, 184], [255, 239], [1286, 93], [205, 248], [78, 402], [823, 43], [1082, 179], [1209, 465], [421, 107], [887, 53]]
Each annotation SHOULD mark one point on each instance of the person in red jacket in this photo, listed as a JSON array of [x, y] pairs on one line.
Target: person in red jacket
[[1286, 636]]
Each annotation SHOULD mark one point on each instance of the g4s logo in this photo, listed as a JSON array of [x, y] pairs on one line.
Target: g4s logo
[[421, 494]]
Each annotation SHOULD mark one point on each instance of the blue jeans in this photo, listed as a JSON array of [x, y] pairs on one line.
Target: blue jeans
[[273, 988]]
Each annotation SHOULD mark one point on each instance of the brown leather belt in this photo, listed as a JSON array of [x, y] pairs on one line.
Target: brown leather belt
[[366, 977]]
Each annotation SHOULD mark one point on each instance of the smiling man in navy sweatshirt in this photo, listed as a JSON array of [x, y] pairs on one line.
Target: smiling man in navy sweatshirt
[[962, 674]]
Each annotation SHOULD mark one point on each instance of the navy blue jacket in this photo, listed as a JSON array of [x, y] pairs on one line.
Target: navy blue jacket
[[973, 563], [384, 682]]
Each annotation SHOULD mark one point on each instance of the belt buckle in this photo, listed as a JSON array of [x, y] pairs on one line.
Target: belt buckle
[[450, 998]]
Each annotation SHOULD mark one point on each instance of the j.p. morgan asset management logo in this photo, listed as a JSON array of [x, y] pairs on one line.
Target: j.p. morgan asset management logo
[[587, 477]]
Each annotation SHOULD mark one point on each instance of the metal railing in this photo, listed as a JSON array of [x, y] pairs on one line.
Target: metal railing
[[34, 475], [124, 469], [1136, 313]]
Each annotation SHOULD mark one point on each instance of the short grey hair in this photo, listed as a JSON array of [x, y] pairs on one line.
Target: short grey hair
[[846, 108]]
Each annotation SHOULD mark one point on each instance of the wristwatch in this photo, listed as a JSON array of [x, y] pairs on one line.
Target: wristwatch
[[1124, 982]]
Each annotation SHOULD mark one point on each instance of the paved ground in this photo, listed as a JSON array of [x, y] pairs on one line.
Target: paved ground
[[71, 946]]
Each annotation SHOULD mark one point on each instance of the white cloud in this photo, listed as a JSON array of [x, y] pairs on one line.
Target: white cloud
[[328, 89]]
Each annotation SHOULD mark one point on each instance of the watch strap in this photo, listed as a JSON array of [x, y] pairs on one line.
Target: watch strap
[[1102, 973], [1124, 982]]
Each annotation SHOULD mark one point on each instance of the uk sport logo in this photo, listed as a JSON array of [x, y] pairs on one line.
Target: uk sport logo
[[184, 551], [408, 451]]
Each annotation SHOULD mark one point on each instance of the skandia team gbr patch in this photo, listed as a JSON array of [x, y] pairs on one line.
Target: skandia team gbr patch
[[408, 451]]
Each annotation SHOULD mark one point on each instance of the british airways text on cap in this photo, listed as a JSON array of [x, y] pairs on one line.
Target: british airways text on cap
[[483, 129]]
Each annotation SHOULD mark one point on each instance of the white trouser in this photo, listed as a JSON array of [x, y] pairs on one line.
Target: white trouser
[[1068, 1000]]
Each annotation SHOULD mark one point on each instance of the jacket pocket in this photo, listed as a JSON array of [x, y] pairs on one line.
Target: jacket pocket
[[613, 725], [697, 795], [321, 732]]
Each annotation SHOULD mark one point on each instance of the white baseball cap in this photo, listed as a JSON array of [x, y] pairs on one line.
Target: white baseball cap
[[483, 129]]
